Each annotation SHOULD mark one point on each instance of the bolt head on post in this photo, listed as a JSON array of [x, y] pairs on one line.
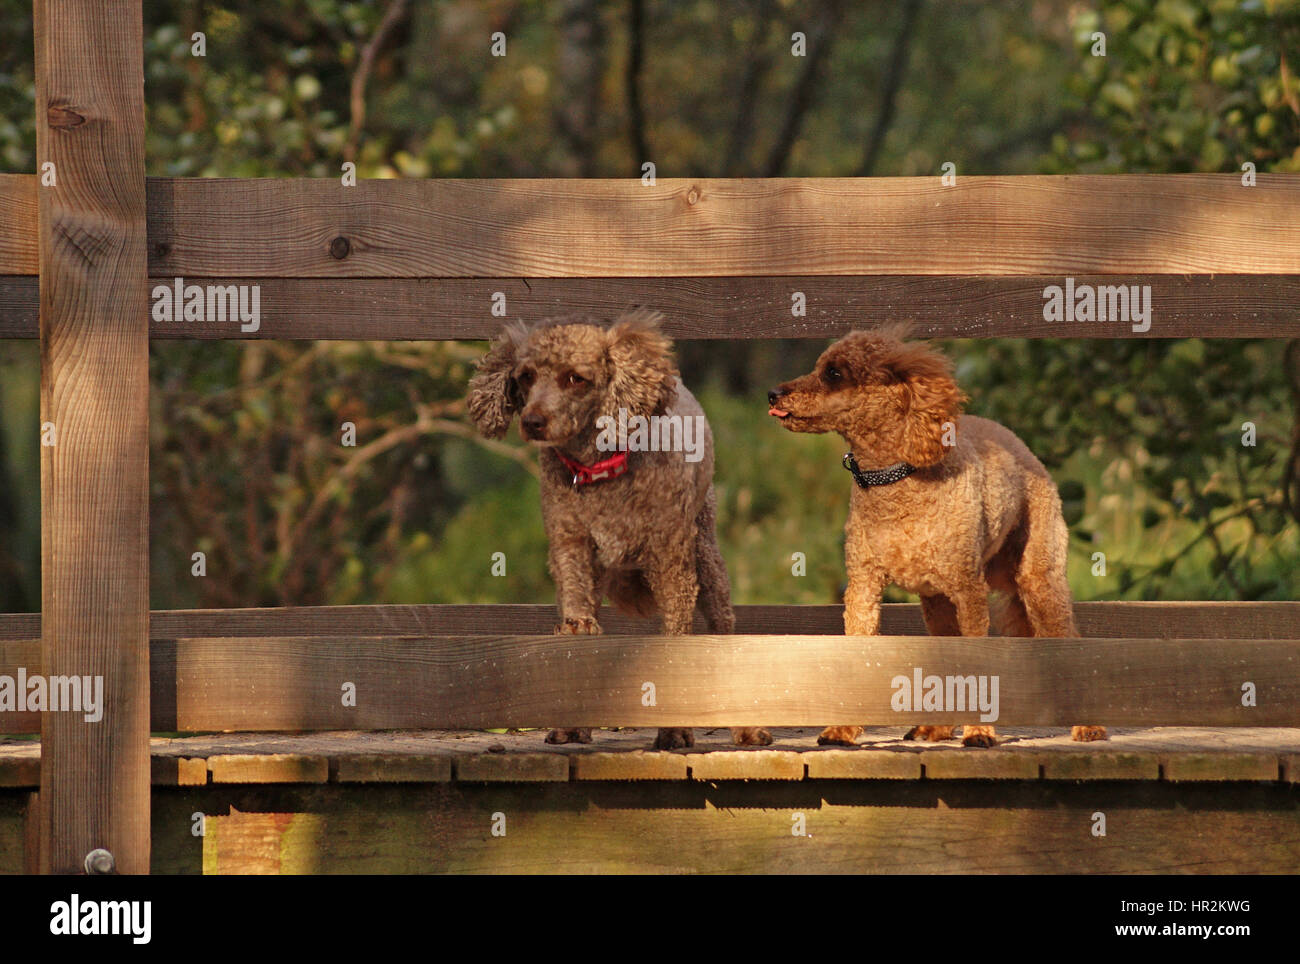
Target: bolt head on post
[[100, 862]]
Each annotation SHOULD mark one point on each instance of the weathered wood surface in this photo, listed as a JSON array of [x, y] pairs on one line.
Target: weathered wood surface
[[95, 392], [481, 682], [912, 828], [19, 217], [1158, 620], [1174, 754], [1100, 224], [1178, 800], [1017, 225], [1205, 306]]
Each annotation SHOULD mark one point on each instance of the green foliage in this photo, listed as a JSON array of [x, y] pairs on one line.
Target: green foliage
[[1143, 436], [1186, 86], [1145, 441], [250, 466]]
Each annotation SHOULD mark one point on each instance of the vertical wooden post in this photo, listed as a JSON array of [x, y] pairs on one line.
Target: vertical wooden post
[[95, 394]]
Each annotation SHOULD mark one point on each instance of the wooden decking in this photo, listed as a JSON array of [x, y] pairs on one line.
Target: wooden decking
[[1168, 754], [1173, 800]]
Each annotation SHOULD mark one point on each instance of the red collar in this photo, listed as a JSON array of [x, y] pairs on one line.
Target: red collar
[[610, 468]]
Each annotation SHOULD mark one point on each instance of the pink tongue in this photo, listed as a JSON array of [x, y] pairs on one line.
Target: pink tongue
[[777, 412]]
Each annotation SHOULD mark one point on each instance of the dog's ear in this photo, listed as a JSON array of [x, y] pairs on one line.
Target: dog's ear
[[643, 377], [932, 399], [494, 397]]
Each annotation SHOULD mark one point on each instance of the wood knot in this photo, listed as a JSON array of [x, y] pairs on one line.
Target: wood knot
[[62, 117], [693, 195], [340, 248], [161, 250]]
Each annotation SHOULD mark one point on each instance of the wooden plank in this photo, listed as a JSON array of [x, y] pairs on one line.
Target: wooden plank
[[269, 768], [95, 392], [1140, 620], [631, 765], [19, 251], [20, 771], [1160, 620], [1195, 754], [1017, 225], [20, 658], [1027, 225], [746, 765], [175, 771], [513, 768], [21, 629], [1218, 767], [1207, 306], [1100, 764], [392, 768], [20, 298], [975, 764], [483, 682], [479, 682], [886, 827], [862, 765]]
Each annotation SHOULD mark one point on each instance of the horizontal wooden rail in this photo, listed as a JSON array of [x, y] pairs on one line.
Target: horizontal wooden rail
[[420, 259], [1124, 225], [1155, 620], [478, 682], [1185, 306]]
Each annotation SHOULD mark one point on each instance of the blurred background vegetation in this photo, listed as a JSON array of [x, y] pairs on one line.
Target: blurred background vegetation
[[1144, 437]]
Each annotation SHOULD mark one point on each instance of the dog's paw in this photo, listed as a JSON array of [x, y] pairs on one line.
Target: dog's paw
[[978, 736], [1087, 734], [839, 736], [750, 736], [585, 626], [573, 734], [674, 739], [931, 733]]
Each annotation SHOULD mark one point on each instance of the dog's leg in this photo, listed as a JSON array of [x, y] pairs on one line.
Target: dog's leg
[[572, 564], [715, 587], [940, 620], [671, 575], [861, 618], [572, 567], [972, 609], [862, 603]]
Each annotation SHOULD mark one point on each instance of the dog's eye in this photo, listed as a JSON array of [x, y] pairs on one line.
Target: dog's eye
[[575, 379], [832, 374], [524, 378]]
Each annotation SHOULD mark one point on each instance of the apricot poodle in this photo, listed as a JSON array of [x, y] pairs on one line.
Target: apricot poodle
[[946, 505], [633, 525]]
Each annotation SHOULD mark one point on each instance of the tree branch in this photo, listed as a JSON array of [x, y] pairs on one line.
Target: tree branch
[[757, 64], [396, 10], [635, 108], [819, 46], [893, 81]]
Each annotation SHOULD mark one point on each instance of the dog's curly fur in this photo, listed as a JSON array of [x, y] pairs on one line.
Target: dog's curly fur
[[646, 539], [978, 515]]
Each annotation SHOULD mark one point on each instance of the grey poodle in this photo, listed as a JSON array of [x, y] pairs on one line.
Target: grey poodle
[[636, 526]]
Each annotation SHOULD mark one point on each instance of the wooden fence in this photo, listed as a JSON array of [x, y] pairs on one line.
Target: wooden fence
[[422, 260]]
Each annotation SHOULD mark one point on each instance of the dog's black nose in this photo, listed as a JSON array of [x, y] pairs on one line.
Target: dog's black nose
[[533, 424], [774, 394]]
